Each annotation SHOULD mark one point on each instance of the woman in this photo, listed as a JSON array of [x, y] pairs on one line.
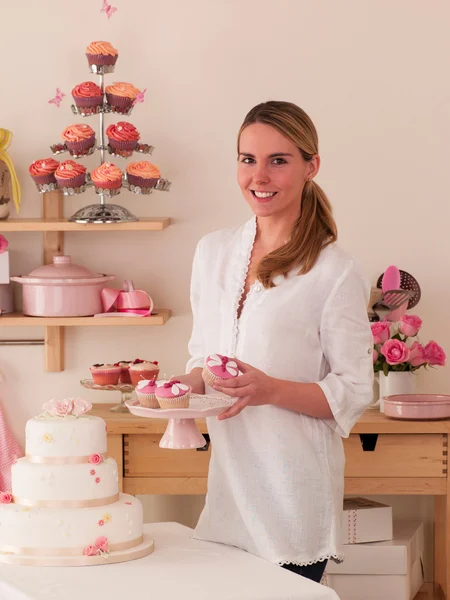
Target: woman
[[280, 296]]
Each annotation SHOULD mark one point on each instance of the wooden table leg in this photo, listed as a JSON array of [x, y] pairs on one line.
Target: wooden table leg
[[115, 451], [442, 543]]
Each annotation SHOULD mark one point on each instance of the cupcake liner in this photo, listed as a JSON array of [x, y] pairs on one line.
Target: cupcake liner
[[142, 182], [178, 402], [101, 60], [73, 182], [88, 102], [137, 376], [147, 400], [121, 145], [110, 377], [119, 104], [125, 375], [81, 147], [44, 179]]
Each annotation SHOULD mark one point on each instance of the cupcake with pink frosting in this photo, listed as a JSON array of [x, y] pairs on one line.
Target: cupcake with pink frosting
[[121, 96], [219, 368], [107, 177], [88, 97], [145, 392], [123, 137], [43, 171], [79, 139], [173, 394], [101, 55], [143, 174], [70, 174], [105, 374]]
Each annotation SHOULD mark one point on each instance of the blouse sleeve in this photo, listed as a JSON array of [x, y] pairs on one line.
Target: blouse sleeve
[[195, 345], [347, 345]]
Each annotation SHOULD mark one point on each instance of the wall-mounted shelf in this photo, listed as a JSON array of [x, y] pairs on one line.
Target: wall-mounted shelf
[[160, 317], [149, 224], [53, 226]]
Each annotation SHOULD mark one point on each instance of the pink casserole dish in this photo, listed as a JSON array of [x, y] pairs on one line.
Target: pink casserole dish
[[417, 406], [62, 289]]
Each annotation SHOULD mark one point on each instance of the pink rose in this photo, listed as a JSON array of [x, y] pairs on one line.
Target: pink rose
[[380, 331], [374, 356], [90, 551], [102, 543], [5, 497], [50, 407], [434, 354], [417, 355], [409, 325], [95, 459], [3, 243], [64, 407], [395, 352], [80, 406]]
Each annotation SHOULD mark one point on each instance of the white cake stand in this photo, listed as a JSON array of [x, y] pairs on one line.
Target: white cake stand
[[182, 431]]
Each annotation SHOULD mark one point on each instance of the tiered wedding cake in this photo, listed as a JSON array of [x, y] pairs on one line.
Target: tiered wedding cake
[[64, 507]]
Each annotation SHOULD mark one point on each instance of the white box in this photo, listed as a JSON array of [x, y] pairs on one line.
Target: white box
[[391, 570], [366, 521], [4, 267]]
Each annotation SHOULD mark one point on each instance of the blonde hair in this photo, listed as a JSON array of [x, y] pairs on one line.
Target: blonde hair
[[315, 228]]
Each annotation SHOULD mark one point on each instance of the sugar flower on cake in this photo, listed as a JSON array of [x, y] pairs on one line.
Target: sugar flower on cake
[[107, 518], [58, 408], [47, 438], [80, 406], [98, 548], [5, 497], [95, 459], [224, 362]]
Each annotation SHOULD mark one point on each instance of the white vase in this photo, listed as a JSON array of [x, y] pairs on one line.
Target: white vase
[[396, 382]]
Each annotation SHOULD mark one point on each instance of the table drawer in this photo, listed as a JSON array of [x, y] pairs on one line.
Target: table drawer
[[396, 455], [144, 458]]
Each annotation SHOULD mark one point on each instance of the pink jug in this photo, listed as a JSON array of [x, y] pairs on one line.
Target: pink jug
[[128, 302]]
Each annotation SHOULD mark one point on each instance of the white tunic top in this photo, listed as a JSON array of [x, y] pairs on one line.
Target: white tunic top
[[276, 477]]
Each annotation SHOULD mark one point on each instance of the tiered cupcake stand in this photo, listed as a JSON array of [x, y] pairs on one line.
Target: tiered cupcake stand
[[104, 212], [182, 431]]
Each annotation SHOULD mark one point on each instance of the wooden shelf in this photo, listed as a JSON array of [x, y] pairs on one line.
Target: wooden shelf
[[58, 224], [19, 320]]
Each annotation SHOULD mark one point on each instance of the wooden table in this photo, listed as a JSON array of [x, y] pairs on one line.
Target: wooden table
[[383, 456]]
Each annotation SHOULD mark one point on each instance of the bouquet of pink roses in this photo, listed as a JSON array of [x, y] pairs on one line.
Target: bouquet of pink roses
[[393, 350]]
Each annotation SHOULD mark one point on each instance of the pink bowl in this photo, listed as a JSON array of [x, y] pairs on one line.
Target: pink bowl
[[417, 406]]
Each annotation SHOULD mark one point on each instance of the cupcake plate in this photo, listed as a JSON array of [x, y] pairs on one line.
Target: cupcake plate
[[182, 431]]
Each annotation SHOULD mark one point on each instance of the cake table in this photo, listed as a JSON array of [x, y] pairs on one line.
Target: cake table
[[180, 568]]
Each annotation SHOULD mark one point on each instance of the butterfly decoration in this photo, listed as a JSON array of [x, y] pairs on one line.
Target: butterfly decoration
[[139, 97], [108, 9], [57, 99]]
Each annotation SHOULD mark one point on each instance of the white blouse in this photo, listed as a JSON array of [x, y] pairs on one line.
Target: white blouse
[[276, 477]]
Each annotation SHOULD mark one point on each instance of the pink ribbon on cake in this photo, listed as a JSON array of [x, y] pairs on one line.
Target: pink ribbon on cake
[[66, 503], [60, 460], [28, 553]]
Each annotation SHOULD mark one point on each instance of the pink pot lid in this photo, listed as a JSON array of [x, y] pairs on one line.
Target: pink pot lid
[[63, 268]]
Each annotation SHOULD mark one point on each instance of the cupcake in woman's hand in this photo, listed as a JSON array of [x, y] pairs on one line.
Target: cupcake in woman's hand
[[107, 177], [173, 394], [145, 392], [121, 96], [123, 136], [70, 174], [143, 174], [43, 171], [104, 374], [88, 96], [218, 368], [143, 369], [79, 139], [102, 54]]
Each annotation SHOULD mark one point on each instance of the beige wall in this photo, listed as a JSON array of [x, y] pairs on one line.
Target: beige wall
[[373, 75]]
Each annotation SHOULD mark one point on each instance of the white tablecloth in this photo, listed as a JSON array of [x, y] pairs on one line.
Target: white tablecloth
[[180, 568]]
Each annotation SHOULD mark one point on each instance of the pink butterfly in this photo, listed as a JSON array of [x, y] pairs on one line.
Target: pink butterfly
[[139, 97], [57, 99], [108, 9]]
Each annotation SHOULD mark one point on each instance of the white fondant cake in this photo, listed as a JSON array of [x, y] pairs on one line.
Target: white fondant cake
[[64, 507]]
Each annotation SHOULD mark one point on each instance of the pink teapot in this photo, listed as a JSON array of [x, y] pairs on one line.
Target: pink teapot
[[128, 301]]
